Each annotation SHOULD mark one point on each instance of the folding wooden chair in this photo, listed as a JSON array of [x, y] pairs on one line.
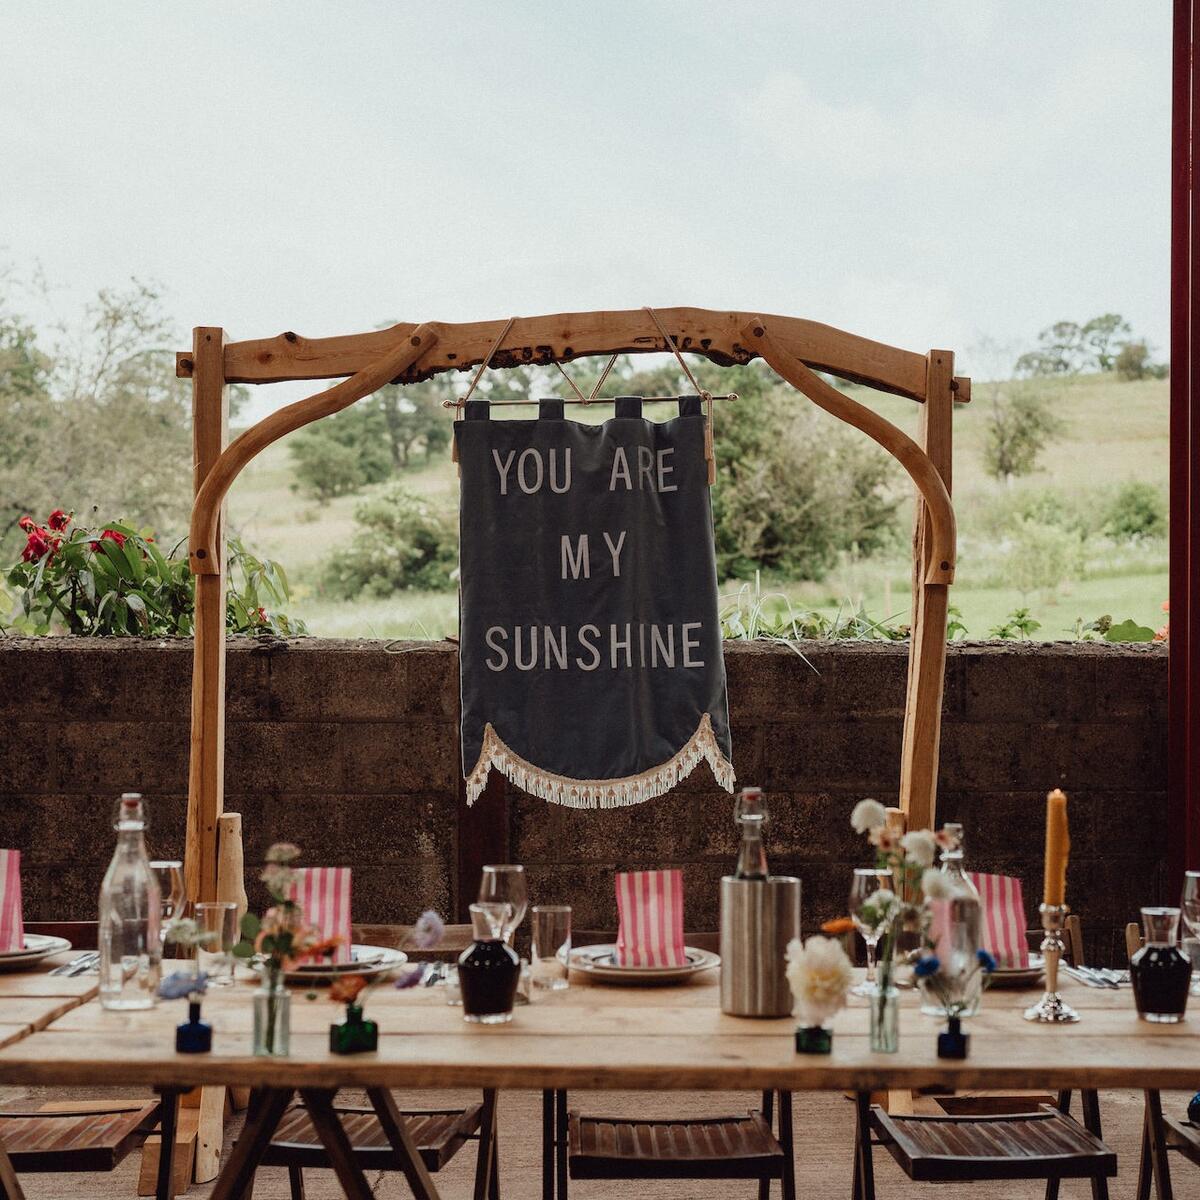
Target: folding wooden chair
[[739, 1146], [438, 1136]]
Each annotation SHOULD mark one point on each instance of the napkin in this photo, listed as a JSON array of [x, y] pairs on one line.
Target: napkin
[[12, 929], [650, 912], [323, 894], [1004, 925]]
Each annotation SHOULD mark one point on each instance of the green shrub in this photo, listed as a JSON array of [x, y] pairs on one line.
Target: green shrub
[[1042, 557], [401, 542], [1136, 511]]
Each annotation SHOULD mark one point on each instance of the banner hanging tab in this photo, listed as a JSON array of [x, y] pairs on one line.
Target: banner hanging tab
[[590, 644]]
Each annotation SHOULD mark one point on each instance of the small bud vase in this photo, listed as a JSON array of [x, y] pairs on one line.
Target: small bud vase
[[272, 1019], [354, 1035], [953, 1043], [814, 1039], [194, 1036], [884, 1004]]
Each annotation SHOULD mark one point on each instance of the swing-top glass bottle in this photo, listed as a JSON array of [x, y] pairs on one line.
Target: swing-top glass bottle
[[130, 911], [750, 813]]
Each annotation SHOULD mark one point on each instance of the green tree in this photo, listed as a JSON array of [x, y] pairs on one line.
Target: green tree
[[1137, 510], [1103, 337], [1020, 421], [1060, 351], [401, 541]]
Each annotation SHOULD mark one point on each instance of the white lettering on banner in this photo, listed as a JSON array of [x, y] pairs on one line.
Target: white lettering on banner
[[503, 468], [615, 551], [495, 631], [652, 470], [534, 457], [550, 647], [620, 467], [578, 561]]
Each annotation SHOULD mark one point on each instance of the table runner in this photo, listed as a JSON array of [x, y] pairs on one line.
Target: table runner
[[590, 646]]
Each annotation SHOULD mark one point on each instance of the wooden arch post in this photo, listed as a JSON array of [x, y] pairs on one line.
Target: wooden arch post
[[406, 353]]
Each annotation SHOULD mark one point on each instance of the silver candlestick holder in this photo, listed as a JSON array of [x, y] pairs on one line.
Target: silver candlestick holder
[[1051, 1008]]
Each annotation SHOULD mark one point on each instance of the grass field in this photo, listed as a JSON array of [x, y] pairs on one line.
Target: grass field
[[1114, 432]]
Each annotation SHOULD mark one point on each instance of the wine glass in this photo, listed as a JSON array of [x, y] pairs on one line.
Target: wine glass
[[505, 885], [1189, 909], [169, 872], [866, 883], [218, 922]]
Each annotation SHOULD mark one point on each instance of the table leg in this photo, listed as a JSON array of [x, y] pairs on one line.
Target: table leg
[[560, 1137], [864, 1165], [168, 1121], [10, 1187], [408, 1157], [1090, 1101], [319, 1102], [548, 1144], [267, 1107], [1158, 1146], [487, 1145]]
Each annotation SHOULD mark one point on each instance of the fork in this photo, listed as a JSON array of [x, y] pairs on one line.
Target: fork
[[77, 965]]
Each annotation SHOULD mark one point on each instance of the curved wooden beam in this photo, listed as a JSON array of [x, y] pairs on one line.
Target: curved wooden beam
[[759, 332], [562, 337], [203, 553]]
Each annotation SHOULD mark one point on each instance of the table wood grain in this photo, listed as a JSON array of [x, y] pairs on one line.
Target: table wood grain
[[605, 1037]]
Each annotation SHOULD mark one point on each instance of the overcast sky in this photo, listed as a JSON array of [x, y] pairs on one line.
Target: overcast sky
[[922, 173]]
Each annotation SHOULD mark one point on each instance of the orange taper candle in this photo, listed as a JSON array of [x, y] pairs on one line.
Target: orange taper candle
[[1058, 846]]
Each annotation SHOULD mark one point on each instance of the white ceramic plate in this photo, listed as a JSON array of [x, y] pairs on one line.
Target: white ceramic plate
[[364, 960], [1019, 977], [600, 962], [37, 947]]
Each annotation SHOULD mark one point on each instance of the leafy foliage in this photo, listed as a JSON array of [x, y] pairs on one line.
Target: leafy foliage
[[402, 542], [1020, 421], [1019, 624], [113, 580], [1137, 510]]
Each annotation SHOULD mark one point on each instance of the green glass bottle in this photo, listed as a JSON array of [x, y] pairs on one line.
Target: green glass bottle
[[354, 1035]]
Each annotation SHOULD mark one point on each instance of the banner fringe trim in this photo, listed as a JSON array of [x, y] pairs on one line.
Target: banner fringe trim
[[599, 793]]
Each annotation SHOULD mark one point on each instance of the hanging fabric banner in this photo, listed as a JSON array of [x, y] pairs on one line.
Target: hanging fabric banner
[[590, 645]]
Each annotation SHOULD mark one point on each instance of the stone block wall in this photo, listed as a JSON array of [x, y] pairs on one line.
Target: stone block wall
[[351, 751]]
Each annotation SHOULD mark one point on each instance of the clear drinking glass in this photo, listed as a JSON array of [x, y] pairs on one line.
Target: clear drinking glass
[[551, 929], [867, 881], [169, 873], [505, 885], [1189, 910], [218, 922]]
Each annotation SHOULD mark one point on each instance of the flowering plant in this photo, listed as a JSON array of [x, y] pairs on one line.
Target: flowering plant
[[909, 860], [111, 579], [281, 936], [180, 984], [352, 990], [819, 974], [953, 991]]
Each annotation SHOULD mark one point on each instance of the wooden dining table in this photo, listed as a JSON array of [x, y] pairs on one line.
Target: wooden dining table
[[590, 1036]]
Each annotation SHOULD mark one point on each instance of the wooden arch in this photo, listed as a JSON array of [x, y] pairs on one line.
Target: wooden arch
[[405, 353]]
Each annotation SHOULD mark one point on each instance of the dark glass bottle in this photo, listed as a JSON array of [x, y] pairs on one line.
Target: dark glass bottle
[[194, 1036], [1161, 974], [488, 969], [750, 814], [354, 1035]]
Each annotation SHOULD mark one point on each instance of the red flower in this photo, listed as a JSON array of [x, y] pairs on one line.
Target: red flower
[[26, 523], [59, 519], [39, 543], [262, 615], [109, 535]]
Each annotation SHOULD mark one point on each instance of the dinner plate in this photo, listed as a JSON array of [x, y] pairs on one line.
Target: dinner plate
[[364, 960], [600, 962], [1018, 977], [37, 947]]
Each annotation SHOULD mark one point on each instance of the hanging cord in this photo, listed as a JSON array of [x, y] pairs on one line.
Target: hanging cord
[[710, 455], [483, 366]]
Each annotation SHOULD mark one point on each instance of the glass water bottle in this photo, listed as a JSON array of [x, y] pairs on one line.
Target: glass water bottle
[[130, 912], [751, 815]]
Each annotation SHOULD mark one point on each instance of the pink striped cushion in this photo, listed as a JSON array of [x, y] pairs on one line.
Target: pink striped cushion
[[650, 911], [12, 928], [323, 894], [1004, 922]]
